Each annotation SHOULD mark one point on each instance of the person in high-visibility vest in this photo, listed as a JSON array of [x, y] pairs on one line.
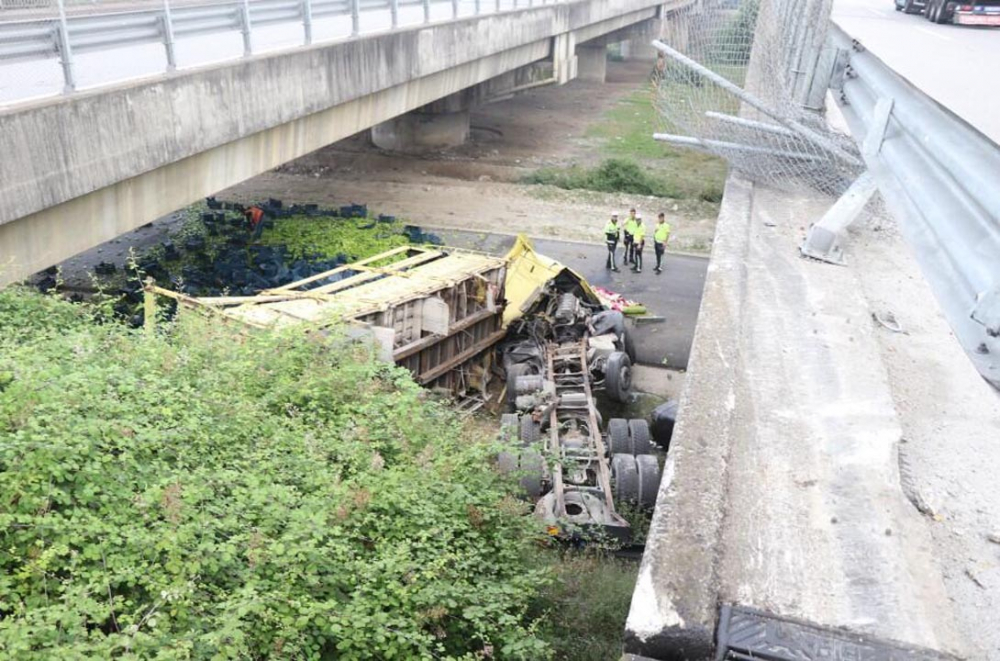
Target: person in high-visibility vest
[[627, 237], [255, 221], [661, 234], [611, 238], [638, 243]]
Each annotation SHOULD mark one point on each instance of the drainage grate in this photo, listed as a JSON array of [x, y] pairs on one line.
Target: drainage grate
[[747, 634]]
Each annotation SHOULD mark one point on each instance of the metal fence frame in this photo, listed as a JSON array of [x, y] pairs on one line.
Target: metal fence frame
[[62, 35], [938, 175]]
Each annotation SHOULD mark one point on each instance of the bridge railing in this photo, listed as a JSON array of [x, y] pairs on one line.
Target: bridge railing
[[938, 175], [48, 44]]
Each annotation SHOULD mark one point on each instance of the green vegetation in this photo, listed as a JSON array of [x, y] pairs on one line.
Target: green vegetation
[[355, 238], [211, 492], [201, 494], [635, 163]]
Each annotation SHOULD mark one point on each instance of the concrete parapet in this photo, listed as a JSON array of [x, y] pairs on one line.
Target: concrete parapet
[[782, 488]]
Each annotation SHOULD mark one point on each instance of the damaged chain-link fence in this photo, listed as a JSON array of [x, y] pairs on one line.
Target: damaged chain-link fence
[[745, 80]]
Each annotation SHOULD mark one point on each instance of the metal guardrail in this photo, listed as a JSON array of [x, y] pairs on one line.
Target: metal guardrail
[[939, 177], [64, 36]]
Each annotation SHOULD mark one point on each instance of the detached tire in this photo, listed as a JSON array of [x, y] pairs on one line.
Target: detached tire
[[648, 469], [619, 441], [618, 376], [625, 476], [509, 435], [528, 383], [641, 439], [629, 344]]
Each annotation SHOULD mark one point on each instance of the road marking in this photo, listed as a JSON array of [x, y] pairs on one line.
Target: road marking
[[933, 33]]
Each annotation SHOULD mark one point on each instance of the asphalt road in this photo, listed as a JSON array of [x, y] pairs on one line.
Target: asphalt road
[[674, 295], [953, 64]]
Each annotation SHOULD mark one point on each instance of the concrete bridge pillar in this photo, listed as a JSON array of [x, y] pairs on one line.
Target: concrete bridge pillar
[[436, 126], [592, 62], [639, 48]]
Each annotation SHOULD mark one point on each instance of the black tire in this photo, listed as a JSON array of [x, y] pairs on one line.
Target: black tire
[[532, 471], [619, 441], [618, 376], [942, 15], [514, 371], [531, 431], [506, 462], [629, 343], [931, 10], [641, 438], [908, 7], [625, 476], [898, 8], [648, 469]]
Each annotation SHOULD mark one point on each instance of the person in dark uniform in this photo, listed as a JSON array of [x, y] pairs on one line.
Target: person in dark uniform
[[611, 238]]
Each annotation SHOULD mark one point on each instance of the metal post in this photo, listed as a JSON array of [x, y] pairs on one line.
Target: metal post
[[454, 8], [65, 51], [823, 239], [355, 18], [427, 11], [307, 20], [739, 92], [478, 8], [247, 46], [168, 36], [498, 6], [149, 307], [394, 10]]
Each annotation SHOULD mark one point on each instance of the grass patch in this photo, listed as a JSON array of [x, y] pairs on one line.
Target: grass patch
[[587, 605], [635, 163]]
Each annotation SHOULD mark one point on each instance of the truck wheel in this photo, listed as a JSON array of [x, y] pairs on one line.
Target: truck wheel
[[530, 430], [532, 471], [513, 372], [619, 441], [942, 15], [629, 342], [908, 7], [506, 462], [641, 438], [528, 383], [618, 376], [625, 476], [648, 469]]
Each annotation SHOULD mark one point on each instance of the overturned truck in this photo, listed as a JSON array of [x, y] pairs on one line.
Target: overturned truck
[[562, 348], [450, 316]]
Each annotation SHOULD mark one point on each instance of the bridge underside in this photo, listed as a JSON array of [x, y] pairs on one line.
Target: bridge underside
[[92, 166]]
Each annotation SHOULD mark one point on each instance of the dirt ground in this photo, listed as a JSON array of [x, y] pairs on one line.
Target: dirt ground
[[475, 186]]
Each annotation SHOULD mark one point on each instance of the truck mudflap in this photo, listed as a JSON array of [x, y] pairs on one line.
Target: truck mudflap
[[988, 15]]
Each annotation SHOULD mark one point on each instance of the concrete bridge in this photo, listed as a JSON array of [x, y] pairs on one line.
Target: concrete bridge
[[82, 169]]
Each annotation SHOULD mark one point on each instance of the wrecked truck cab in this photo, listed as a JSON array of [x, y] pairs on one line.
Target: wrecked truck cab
[[562, 346]]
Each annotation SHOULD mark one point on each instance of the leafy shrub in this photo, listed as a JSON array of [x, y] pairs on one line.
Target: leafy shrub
[[613, 175], [214, 493]]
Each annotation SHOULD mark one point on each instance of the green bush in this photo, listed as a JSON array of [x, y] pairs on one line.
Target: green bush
[[214, 493], [613, 175]]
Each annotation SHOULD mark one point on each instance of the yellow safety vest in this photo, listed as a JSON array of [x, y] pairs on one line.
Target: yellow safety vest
[[611, 228], [640, 233], [630, 226], [661, 233]]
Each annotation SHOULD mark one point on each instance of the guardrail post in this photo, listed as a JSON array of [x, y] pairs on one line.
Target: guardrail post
[[355, 18], [394, 11], [247, 45], [427, 11], [498, 6], [454, 8], [478, 8], [307, 20], [65, 51], [168, 36]]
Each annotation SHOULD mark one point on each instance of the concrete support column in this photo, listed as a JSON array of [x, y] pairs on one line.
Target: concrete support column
[[436, 126], [639, 48], [564, 60], [592, 62]]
